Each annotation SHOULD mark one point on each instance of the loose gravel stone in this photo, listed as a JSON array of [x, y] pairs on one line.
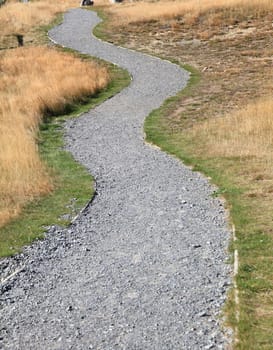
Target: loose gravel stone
[[143, 266]]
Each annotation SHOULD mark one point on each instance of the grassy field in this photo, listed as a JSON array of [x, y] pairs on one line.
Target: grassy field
[[20, 18], [221, 124], [191, 10], [40, 184]]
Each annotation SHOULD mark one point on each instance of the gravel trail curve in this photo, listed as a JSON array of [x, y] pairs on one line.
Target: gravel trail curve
[[144, 266]]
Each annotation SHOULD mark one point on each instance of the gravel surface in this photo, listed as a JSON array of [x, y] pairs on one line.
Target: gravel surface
[[144, 266]]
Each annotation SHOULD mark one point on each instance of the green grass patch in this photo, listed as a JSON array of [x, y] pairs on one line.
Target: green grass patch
[[101, 30]]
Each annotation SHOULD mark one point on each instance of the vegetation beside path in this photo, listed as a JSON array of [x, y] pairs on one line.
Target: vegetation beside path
[[40, 183], [221, 124]]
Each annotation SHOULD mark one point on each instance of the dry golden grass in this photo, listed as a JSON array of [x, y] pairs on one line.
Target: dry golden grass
[[190, 10], [18, 18], [245, 133], [34, 81]]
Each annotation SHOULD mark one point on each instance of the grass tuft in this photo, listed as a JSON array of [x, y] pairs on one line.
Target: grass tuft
[[36, 83]]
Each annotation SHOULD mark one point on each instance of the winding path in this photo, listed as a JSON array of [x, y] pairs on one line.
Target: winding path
[[144, 266]]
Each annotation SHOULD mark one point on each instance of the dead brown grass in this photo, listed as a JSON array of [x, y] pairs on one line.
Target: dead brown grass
[[190, 10], [34, 81]]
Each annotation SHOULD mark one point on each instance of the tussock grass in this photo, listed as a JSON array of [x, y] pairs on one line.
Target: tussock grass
[[18, 18], [190, 10], [35, 83]]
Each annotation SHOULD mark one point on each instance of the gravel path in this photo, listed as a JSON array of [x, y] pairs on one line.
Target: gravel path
[[144, 266]]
